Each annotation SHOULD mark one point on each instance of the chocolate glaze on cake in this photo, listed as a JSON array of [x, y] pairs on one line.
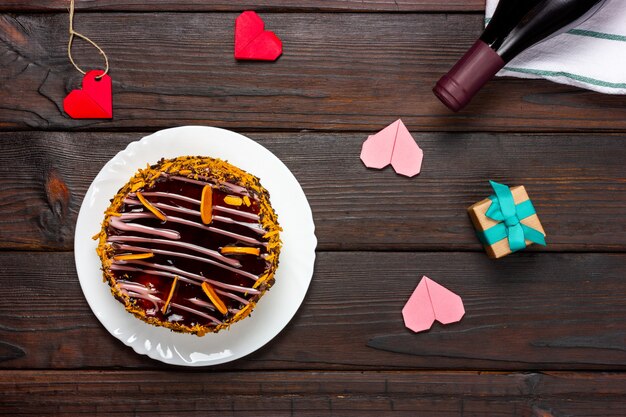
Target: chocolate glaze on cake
[[190, 243]]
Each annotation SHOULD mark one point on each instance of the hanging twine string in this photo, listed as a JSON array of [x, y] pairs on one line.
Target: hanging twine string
[[73, 33]]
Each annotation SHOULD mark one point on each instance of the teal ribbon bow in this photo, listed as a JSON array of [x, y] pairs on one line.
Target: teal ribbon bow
[[504, 210]]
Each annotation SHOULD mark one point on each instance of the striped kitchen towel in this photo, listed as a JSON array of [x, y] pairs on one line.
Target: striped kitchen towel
[[591, 56]]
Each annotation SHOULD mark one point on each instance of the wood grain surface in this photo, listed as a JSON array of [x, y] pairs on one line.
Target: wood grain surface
[[332, 77], [312, 394], [575, 181], [530, 311], [240, 5]]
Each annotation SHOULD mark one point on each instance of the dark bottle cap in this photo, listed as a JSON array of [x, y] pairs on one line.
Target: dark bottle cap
[[479, 64]]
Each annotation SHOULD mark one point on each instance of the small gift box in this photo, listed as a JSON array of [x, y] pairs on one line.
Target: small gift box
[[506, 221]]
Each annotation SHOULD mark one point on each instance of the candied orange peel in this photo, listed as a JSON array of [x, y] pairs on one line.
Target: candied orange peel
[[137, 185], [243, 313], [233, 200], [215, 299], [206, 205], [263, 278], [171, 294], [131, 256], [237, 250], [150, 207]]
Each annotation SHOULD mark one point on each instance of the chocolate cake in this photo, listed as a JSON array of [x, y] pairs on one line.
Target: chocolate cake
[[190, 243]]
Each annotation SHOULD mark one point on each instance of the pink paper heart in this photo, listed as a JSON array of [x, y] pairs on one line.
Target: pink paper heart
[[429, 302], [393, 145]]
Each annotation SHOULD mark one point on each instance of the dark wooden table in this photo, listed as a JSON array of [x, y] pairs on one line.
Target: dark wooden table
[[545, 330]]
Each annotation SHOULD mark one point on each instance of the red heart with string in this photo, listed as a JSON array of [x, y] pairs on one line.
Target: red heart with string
[[252, 41], [93, 101]]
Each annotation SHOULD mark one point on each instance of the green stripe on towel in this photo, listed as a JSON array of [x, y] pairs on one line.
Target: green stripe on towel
[[576, 77], [599, 35]]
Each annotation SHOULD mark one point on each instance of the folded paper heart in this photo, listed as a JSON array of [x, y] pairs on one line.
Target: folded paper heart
[[252, 41], [429, 302], [93, 101], [393, 145]]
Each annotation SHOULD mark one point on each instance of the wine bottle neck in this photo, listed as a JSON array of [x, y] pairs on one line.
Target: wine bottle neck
[[479, 64]]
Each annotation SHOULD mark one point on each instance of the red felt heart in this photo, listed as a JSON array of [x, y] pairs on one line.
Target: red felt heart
[[252, 41], [93, 101]]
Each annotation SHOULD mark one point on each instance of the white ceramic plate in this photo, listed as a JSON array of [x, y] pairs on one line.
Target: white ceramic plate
[[276, 307]]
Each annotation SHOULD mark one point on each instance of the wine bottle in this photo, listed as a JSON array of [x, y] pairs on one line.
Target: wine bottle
[[516, 25]]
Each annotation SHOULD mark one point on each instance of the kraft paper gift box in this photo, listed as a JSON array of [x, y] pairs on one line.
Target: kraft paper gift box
[[506, 222]]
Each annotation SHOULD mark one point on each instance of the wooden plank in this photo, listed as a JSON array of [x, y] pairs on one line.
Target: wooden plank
[[239, 5], [575, 181], [528, 311], [338, 72], [311, 393]]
